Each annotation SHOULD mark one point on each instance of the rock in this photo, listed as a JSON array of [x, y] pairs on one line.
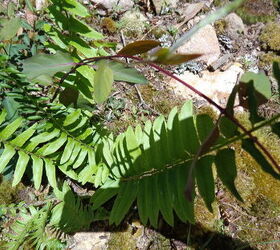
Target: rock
[[161, 3], [122, 5], [216, 85], [90, 241], [234, 25], [133, 24], [40, 4], [204, 42], [191, 10]]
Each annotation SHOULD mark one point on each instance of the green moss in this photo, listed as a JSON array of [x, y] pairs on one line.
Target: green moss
[[109, 24], [270, 37], [158, 32], [161, 100], [220, 26], [9, 194], [267, 59], [253, 11], [133, 24], [131, 239]]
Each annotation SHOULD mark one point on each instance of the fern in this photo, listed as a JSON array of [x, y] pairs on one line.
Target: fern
[[68, 143], [29, 230], [73, 213], [151, 166]]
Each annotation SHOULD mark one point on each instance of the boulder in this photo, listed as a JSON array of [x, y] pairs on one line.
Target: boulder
[[234, 25], [216, 85], [203, 42]]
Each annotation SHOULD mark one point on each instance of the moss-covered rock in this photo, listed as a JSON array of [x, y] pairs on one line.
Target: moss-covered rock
[[267, 59], [270, 37], [133, 24], [253, 11], [9, 194]]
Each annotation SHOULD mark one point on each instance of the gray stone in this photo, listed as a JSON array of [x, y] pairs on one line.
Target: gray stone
[[90, 241], [203, 42], [235, 25], [161, 3], [191, 10], [122, 5], [216, 85]]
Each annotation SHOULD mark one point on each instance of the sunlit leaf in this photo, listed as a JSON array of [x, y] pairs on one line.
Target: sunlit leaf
[[123, 73], [43, 66], [103, 82], [9, 28]]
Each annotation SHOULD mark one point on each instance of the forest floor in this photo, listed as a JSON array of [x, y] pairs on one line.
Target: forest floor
[[229, 46]]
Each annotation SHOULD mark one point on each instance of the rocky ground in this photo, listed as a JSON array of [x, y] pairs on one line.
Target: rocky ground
[[247, 40], [230, 46]]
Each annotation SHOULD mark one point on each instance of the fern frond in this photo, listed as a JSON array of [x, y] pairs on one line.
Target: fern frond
[[29, 230], [151, 166], [67, 143], [71, 215]]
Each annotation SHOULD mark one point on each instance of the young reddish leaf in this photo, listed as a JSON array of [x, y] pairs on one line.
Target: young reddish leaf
[[138, 47], [173, 59]]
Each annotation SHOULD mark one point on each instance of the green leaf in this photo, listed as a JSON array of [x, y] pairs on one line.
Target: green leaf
[[42, 67], [11, 128], [138, 47], [249, 146], [276, 128], [122, 73], [227, 127], [55, 145], [226, 169], [75, 8], [253, 104], [67, 152], [231, 101], [69, 96], [3, 116], [50, 172], [103, 82], [71, 118], [24, 136], [9, 28], [121, 205], [276, 73], [261, 85], [37, 169], [205, 180], [20, 167], [6, 156]]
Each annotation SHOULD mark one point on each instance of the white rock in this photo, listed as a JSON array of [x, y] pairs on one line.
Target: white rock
[[216, 85], [90, 241], [122, 5], [203, 42], [235, 25]]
